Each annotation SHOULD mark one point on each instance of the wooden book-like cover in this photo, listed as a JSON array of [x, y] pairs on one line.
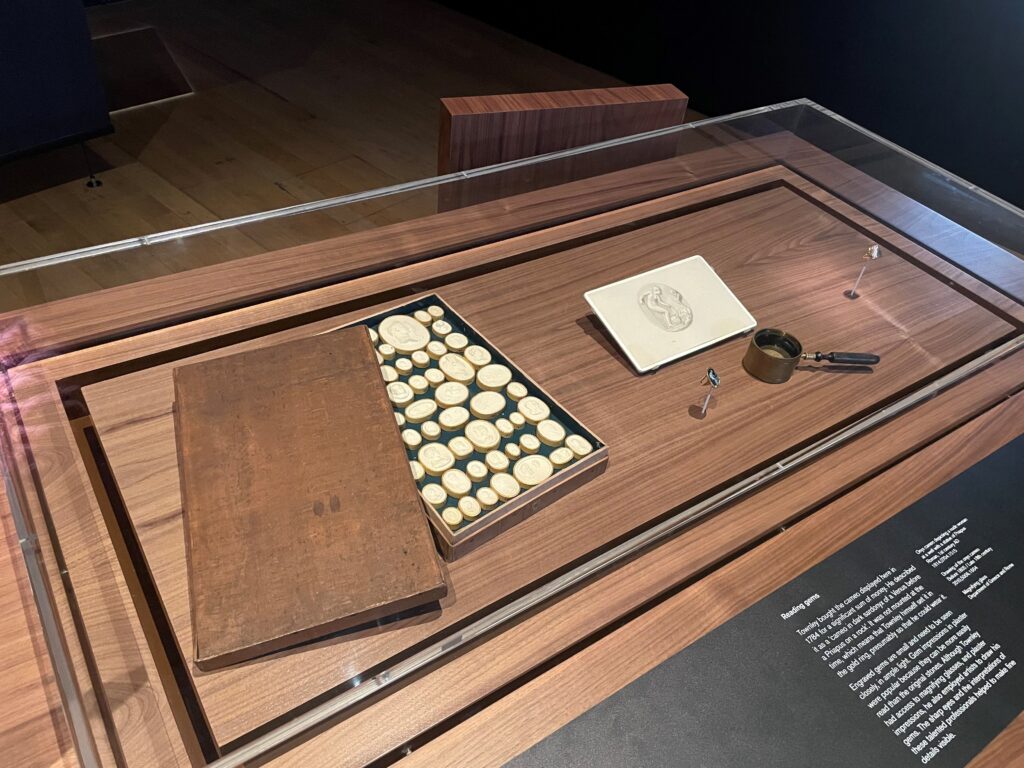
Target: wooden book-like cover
[[301, 514]]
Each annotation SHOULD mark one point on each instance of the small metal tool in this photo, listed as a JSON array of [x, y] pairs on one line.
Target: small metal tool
[[872, 253], [711, 378]]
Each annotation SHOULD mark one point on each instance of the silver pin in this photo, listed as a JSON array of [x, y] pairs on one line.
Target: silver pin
[[711, 377], [871, 254]]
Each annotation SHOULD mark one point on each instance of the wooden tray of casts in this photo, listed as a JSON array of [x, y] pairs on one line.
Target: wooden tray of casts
[[786, 248], [471, 534]]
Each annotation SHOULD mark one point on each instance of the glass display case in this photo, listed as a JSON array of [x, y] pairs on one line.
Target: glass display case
[[782, 202]]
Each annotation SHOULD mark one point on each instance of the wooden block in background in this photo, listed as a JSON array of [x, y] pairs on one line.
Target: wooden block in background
[[301, 515], [483, 130]]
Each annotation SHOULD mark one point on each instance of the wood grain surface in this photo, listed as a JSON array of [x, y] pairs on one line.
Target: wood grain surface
[[485, 130], [967, 249], [21, 462], [1006, 750], [301, 517], [132, 717], [776, 272], [538, 708], [477, 131], [34, 732]]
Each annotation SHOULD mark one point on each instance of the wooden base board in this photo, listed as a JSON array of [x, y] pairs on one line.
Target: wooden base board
[[771, 245]]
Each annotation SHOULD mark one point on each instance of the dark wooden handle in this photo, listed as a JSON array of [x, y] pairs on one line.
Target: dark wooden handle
[[853, 358]]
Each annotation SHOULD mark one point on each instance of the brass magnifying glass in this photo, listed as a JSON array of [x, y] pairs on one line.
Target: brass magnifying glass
[[773, 355]]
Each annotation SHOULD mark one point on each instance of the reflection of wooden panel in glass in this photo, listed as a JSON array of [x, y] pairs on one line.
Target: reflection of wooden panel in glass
[[788, 259], [136, 68]]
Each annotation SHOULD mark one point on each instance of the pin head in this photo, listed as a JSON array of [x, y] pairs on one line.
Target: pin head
[[712, 378], [872, 253]]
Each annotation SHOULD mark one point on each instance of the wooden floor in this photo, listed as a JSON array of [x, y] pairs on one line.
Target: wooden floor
[[292, 102]]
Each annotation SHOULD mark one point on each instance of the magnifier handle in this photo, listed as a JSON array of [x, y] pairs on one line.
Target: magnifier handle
[[847, 358]]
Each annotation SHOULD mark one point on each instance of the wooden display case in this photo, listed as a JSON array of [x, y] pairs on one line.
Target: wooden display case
[[89, 433]]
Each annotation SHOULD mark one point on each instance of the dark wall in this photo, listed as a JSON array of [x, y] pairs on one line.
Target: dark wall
[[943, 78], [50, 91]]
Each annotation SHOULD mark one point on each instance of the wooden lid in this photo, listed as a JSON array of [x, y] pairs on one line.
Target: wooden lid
[[301, 514]]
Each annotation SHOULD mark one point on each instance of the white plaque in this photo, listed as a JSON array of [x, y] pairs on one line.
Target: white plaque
[[670, 312]]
